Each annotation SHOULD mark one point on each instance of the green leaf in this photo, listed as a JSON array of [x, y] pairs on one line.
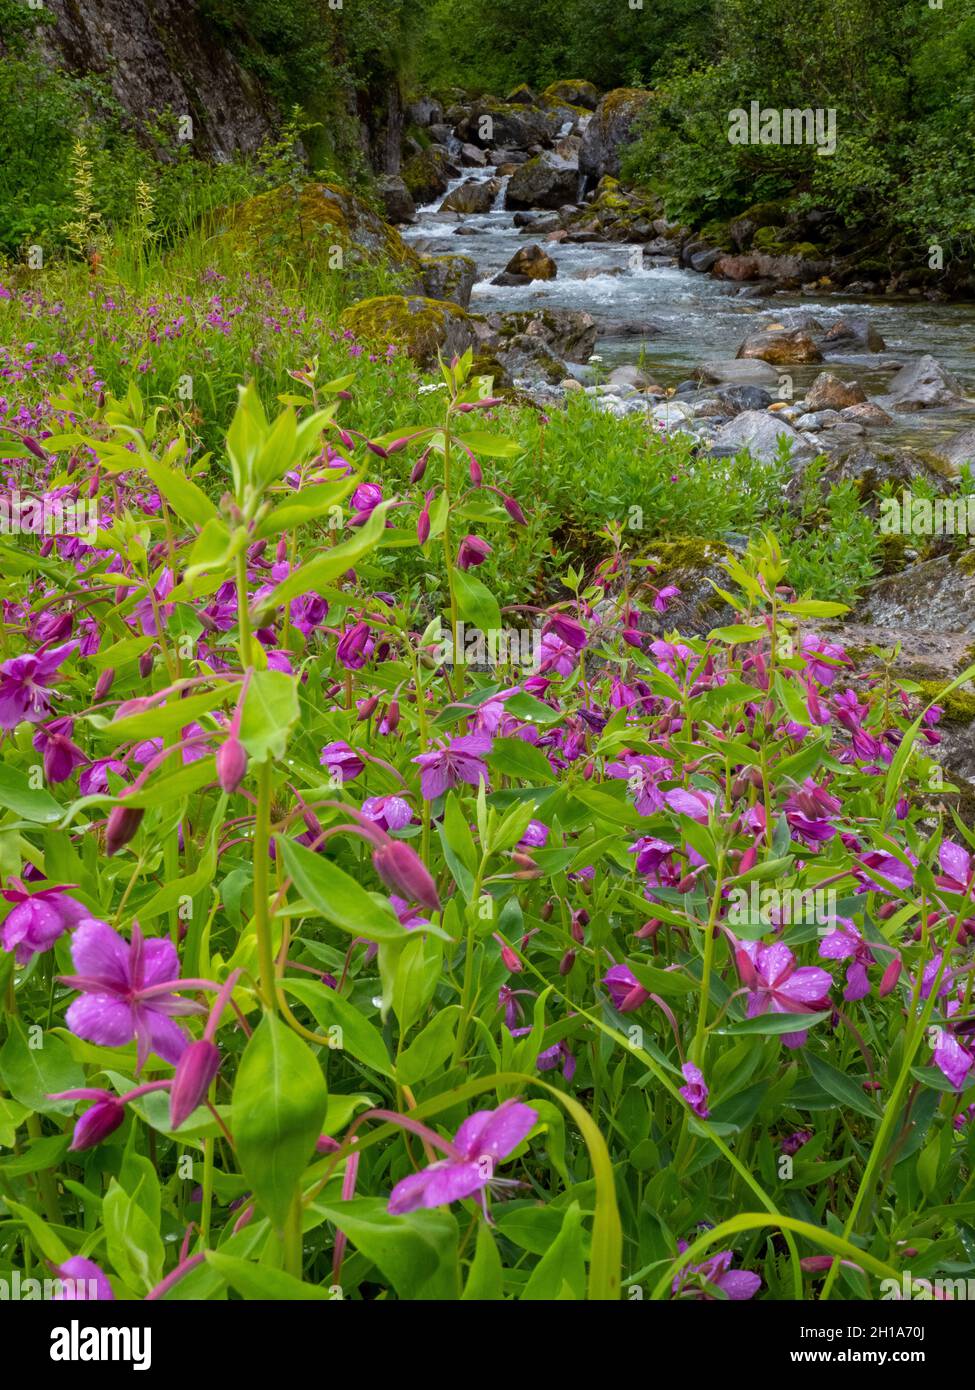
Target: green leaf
[[270, 713], [31, 1074], [666, 982], [485, 1279], [561, 1272], [258, 1282], [427, 1053], [417, 973], [417, 1252], [45, 1238], [739, 632], [475, 603], [337, 896], [358, 1036], [492, 446], [773, 1024], [189, 502], [333, 563], [12, 1116], [279, 1104], [841, 1087], [135, 1246], [515, 758], [16, 794]]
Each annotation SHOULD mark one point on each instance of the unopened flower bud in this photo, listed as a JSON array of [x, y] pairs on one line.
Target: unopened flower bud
[[402, 870], [97, 1124], [890, 977], [567, 962], [123, 822], [104, 683], [231, 764], [195, 1069]]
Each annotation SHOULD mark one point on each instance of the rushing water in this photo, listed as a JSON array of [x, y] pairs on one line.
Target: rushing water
[[694, 318]]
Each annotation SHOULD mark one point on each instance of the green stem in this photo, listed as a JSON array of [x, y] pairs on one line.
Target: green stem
[[262, 888]]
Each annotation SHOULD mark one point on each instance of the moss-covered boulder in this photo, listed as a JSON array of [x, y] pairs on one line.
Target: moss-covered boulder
[[320, 226], [422, 326], [449, 277], [427, 175], [572, 92], [612, 127]]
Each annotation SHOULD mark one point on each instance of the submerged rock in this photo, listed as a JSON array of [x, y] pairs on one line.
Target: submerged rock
[[533, 262], [781, 346]]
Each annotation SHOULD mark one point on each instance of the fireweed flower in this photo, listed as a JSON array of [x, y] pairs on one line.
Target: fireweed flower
[[483, 1140], [81, 1280], [846, 943], [953, 1061], [388, 812], [808, 813], [775, 985], [402, 869], [60, 755], [736, 1284], [38, 919], [625, 989], [471, 552], [460, 760], [25, 682], [342, 761], [554, 1056], [957, 867], [128, 991], [696, 1090], [355, 647]]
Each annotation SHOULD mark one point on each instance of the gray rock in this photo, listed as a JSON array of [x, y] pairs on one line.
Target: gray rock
[[630, 376], [743, 371], [818, 420], [933, 596], [548, 181], [473, 196], [759, 432], [610, 129], [735, 399], [702, 261], [397, 200], [425, 111], [449, 277], [922, 385], [956, 452], [472, 157]]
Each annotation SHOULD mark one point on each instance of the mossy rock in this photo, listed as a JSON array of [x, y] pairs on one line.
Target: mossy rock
[[426, 175], [958, 705], [807, 250], [572, 92], [769, 239], [308, 226], [422, 326]]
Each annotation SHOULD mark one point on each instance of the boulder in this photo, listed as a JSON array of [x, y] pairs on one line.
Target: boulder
[[423, 326], [506, 280], [449, 277], [630, 376], [922, 385], [932, 596], [781, 346], [956, 452], [566, 333], [572, 92], [305, 229], [472, 196], [428, 174], [472, 157], [547, 181], [735, 399], [522, 96], [750, 371], [397, 199], [866, 413], [828, 392], [612, 127], [703, 261], [425, 111], [874, 469], [490, 123], [851, 335], [533, 262], [760, 433]]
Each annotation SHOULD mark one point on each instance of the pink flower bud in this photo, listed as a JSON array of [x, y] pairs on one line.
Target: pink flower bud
[[890, 977], [567, 962], [402, 870], [104, 683], [146, 663], [513, 510], [420, 467], [34, 447], [195, 1070], [747, 860], [123, 822], [231, 764], [97, 1124], [477, 476]]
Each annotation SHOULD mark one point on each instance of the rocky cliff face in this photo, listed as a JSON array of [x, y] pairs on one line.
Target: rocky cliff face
[[159, 54]]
